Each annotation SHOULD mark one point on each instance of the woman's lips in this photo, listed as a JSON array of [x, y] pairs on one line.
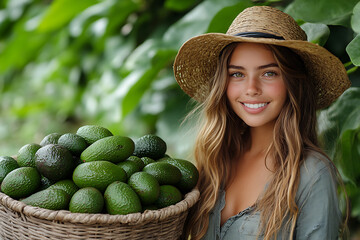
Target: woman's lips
[[255, 107]]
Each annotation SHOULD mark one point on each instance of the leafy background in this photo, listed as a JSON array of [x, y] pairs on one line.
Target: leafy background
[[67, 63]]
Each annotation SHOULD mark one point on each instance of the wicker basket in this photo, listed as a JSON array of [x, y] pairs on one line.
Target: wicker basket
[[21, 221]]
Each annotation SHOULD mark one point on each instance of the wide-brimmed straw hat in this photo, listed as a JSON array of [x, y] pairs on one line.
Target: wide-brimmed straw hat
[[196, 60]]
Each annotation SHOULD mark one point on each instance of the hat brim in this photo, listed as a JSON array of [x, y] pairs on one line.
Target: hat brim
[[196, 63]]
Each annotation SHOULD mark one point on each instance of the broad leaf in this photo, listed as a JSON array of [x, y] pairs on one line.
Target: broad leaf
[[22, 48], [15, 9], [170, 122], [353, 49], [355, 19], [349, 160], [136, 91], [333, 12], [141, 56], [353, 192], [118, 18], [222, 20], [316, 32], [194, 23], [117, 49], [339, 117], [61, 12], [107, 10]]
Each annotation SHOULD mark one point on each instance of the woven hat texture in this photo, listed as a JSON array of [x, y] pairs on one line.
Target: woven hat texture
[[196, 60]]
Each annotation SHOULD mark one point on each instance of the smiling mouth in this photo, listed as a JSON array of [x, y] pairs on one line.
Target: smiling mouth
[[255, 106]]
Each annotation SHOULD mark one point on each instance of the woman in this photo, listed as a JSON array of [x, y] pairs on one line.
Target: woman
[[262, 174]]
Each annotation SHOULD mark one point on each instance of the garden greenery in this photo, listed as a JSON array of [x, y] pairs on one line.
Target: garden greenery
[[66, 63]]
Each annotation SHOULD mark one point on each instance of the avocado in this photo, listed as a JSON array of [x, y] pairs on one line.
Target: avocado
[[189, 173], [98, 174], [169, 195], [21, 182], [164, 172], [7, 164], [147, 160], [54, 162], [113, 149], [146, 187], [51, 138], [50, 198], [120, 198], [137, 160], [92, 133], [151, 146], [67, 185], [130, 167], [73, 142], [87, 200], [26, 155]]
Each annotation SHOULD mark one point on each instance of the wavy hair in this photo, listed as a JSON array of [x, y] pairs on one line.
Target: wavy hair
[[218, 143]]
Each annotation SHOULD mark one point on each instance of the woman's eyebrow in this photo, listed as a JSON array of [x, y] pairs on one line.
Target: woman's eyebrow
[[268, 65], [260, 67], [236, 67]]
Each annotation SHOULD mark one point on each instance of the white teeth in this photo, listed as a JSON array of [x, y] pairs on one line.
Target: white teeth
[[254, 106]]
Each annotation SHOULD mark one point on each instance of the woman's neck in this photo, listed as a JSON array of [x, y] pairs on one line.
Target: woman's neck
[[260, 138]]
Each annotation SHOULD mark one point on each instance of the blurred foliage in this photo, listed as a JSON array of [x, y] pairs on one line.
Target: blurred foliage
[[66, 63]]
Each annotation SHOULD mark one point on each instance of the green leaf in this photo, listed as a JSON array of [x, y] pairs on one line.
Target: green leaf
[[317, 33], [357, 142], [117, 49], [332, 12], [61, 12], [353, 192], [353, 49], [179, 6], [349, 161], [20, 49], [222, 20], [342, 115], [170, 125], [137, 90], [355, 19], [106, 11], [352, 120], [194, 23], [118, 18], [142, 55]]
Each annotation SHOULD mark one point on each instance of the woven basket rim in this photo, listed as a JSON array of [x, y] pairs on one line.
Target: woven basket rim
[[99, 218]]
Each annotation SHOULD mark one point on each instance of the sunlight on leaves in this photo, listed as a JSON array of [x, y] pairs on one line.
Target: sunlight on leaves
[[60, 13]]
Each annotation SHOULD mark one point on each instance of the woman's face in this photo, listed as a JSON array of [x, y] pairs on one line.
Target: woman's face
[[256, 89]]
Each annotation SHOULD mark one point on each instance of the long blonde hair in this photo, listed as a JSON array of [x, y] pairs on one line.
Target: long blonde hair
[[219, 143]]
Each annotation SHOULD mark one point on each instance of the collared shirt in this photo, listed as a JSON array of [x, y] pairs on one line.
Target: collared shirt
[[319, 214]]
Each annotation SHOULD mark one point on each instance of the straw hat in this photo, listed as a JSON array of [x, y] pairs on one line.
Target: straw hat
[[196, 60]]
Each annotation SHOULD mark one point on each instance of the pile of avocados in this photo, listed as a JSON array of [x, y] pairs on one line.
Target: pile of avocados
[[94, 171]]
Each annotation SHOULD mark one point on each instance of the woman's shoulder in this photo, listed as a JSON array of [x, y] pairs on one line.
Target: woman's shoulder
[[319, 212], [316, 172], [314, 162]]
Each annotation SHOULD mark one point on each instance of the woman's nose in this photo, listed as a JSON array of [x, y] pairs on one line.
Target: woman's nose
[[253, 87]]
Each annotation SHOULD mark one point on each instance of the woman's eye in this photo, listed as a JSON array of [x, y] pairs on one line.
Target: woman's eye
[[237, 75], [270, 74]]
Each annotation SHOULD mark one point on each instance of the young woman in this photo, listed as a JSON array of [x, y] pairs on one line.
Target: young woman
[[262, 173]]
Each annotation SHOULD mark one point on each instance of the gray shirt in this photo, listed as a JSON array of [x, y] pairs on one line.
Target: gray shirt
[[319, 214]]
